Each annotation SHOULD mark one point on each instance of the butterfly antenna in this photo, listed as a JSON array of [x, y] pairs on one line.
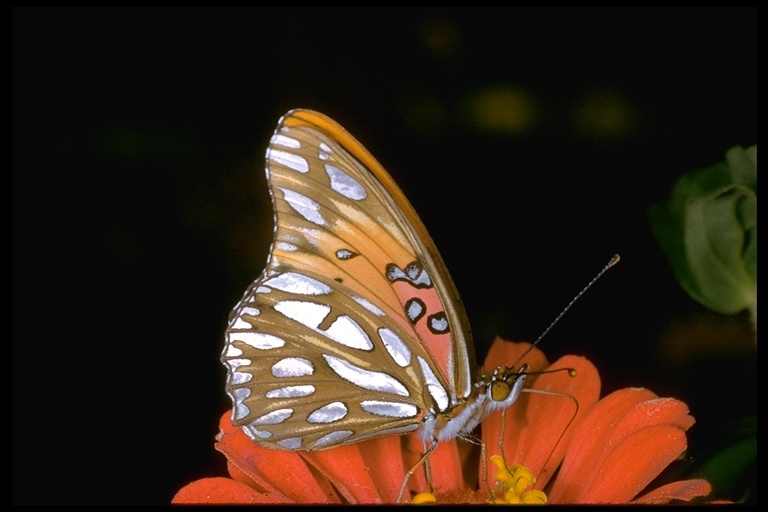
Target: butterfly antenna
[[614, 260]]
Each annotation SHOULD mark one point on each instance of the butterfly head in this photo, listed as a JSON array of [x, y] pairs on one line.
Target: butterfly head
[[505, 385]]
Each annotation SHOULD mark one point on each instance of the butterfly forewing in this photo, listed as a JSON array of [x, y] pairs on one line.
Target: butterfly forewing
[[355, 328]]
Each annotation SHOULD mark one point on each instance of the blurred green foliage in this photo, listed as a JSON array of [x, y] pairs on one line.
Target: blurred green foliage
[[708, 230]]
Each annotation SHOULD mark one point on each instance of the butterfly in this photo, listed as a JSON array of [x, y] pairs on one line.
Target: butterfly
[[355, 328]]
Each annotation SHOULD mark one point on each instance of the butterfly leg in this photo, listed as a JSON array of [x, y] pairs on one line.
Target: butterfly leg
[[423, 459], [469, 438]]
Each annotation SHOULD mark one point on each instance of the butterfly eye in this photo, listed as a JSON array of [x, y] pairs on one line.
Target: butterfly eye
[[499, 390]]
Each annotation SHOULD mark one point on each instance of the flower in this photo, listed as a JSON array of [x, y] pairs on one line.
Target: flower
[[607, 450]]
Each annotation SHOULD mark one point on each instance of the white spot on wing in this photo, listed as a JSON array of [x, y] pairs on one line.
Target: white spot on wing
[[304, 206], [332, 438], [290, 160], [240, 410], [345, 184], [436, 389], [306, 313], [285, 141], [273, 418], [290, 443], [232, 351], [346, 331], [291, 391], [256, 434], [237, 377], [366, 379], [396, 347], [259, 340], [389, 409], [293, 282], [368, 305], [328, 413], [293, 367]]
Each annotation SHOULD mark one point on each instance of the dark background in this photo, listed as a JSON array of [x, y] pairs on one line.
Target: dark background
[[140, 211]]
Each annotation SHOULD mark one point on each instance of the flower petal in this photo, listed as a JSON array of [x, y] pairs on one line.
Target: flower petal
[[552, 418], [684, 490], [606, 462], [585, 448], [283, 473], [346, 469], [633, 463], [221, 491], [507, 353], [445, 465]]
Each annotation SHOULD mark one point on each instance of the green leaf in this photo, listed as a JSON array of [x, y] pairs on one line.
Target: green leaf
[[708, 230]]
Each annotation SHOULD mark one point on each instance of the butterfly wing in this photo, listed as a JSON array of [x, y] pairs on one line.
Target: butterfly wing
[[355, 327]]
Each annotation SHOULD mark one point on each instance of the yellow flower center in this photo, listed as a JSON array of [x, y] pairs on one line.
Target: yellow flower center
[[514, 484]]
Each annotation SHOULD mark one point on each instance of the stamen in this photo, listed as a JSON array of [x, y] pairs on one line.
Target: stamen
[[515, 484]]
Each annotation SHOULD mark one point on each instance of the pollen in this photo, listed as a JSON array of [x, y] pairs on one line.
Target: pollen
[[515, 484]]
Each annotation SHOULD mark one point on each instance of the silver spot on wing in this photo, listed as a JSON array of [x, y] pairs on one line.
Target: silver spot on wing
[[236, 377], [289, 160], [291, 391], [328, 413], [259, 340], [367, 305], [240, 410], [273, 418], [285, 141], [346, 331], [366, 379], [306, 313], [256, 434], [293, 282], [345, 184], [389, 409], [290, 443], [436, 389], [293, 367], [395, 346], [304, 206], [332, 438]]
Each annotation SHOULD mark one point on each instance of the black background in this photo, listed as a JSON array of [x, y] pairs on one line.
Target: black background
[[140, 212]]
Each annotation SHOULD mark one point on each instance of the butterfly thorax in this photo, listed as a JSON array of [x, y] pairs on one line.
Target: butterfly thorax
[[490, 393]]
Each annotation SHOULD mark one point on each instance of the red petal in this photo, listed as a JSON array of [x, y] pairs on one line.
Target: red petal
[[348, 472], [552, 418], [220, 490], [507, 353], [445, 466], [591, 470], [684, 490], [283, 473], [589, 437], [633, 463]]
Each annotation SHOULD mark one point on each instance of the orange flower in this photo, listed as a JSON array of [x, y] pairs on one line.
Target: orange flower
[[608, 452]]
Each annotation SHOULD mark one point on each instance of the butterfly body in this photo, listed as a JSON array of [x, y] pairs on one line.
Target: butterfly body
[[355, 329]]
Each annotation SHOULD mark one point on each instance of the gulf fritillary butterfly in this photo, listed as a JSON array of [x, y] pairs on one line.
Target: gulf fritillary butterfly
[[355, 329]]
